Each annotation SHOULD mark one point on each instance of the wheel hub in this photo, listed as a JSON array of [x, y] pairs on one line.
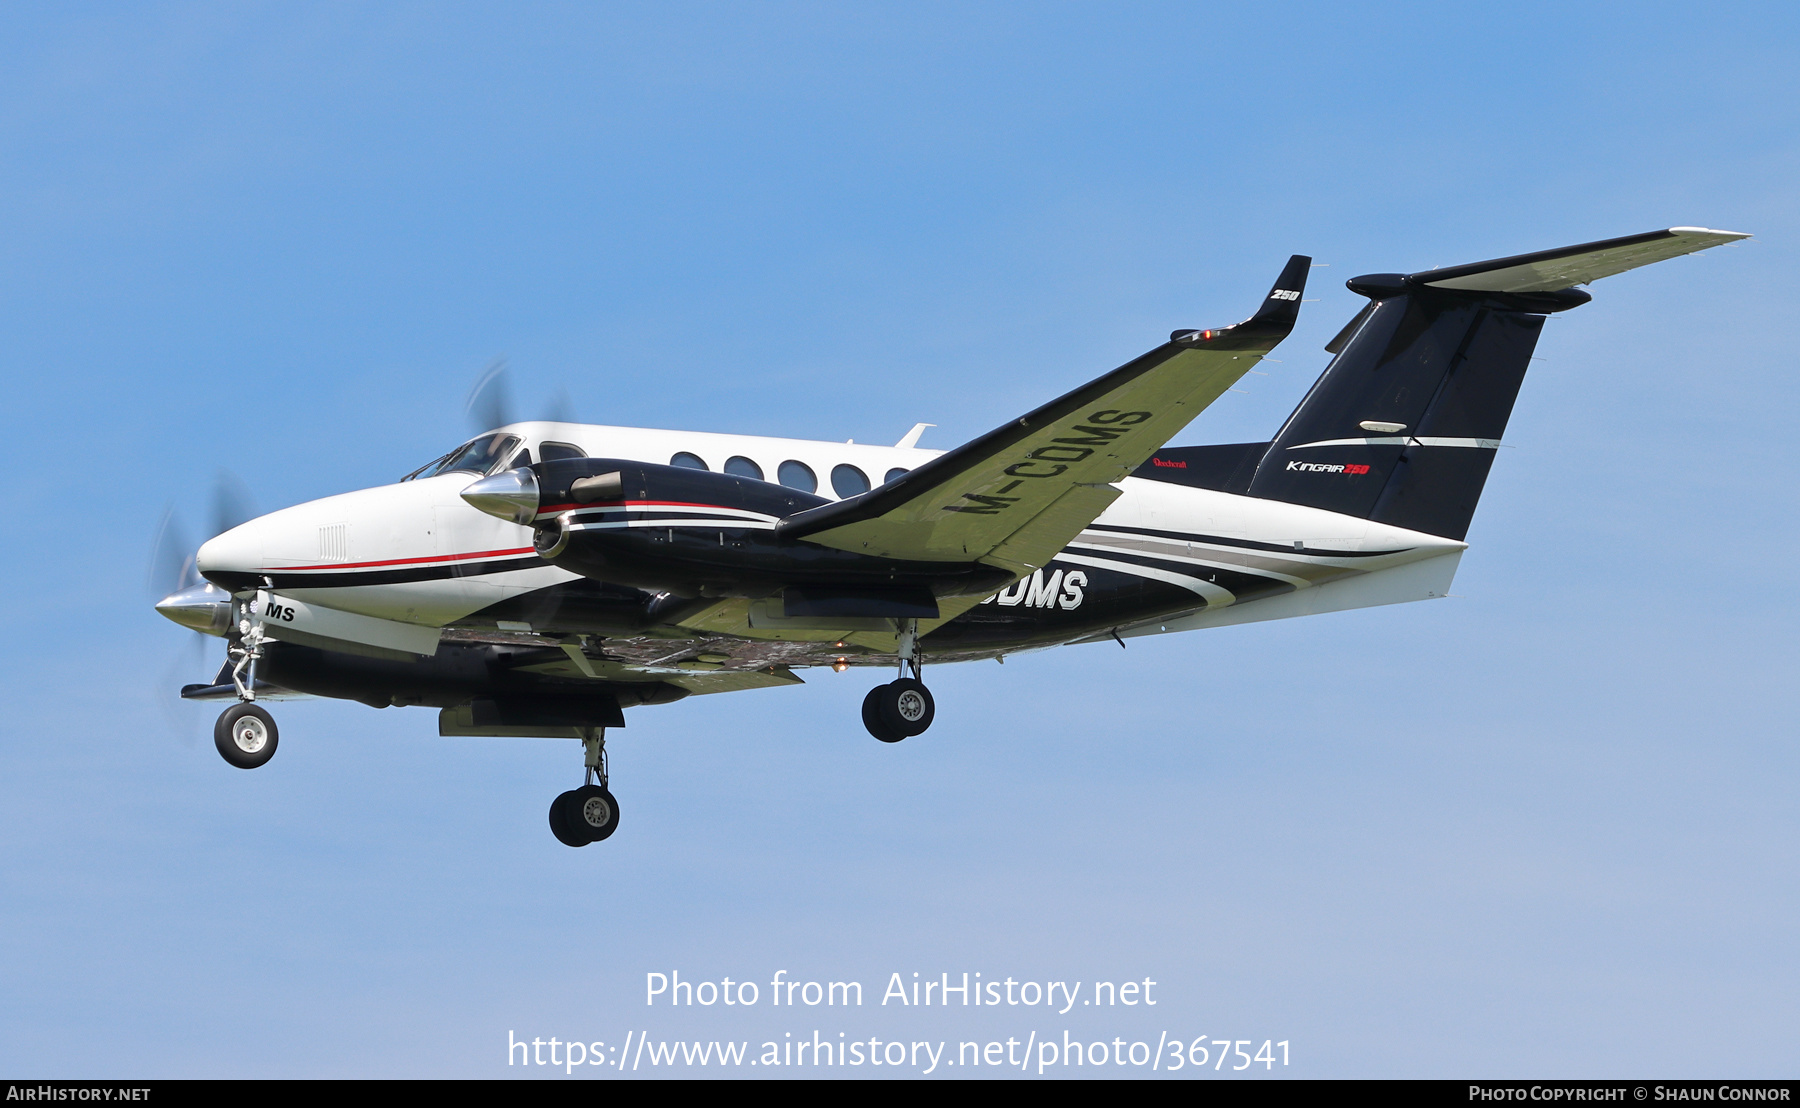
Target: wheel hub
[[912, 706], [249, 734], [596, 812]]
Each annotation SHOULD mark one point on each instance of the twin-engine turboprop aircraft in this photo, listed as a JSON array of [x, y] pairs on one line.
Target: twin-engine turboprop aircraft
[[543, 577]]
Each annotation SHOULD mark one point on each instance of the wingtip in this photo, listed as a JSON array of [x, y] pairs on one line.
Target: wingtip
[[1283, 302], [1728, 235], [1274, 318]]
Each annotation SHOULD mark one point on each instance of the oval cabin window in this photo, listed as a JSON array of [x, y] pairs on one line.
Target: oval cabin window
[[848, 481], [740, 466], [798, 475]]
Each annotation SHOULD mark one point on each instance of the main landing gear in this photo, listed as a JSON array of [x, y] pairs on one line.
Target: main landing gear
[[245, 733], [901, 708], [588, 814]]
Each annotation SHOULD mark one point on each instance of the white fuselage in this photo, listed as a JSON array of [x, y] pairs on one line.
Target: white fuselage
[[425, 522]]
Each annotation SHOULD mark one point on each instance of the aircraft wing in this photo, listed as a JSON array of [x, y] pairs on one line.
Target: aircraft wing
[[1018, 494], [1550, 270]]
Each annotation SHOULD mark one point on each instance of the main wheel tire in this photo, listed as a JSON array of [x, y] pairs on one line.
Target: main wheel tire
[[906, 706], [873, 719], [592, 812], [559, 823], [245, 735]]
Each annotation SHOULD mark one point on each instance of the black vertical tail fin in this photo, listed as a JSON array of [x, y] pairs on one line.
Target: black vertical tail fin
[[1402, 426]]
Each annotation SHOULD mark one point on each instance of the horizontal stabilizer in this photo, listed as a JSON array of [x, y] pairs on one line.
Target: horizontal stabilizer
[[1549, 270]]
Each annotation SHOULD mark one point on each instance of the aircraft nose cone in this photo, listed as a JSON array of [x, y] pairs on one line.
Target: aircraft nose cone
[[512, 496], [206, 608], [232, 559]]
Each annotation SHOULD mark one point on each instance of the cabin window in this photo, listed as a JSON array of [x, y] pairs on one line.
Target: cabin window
[[798, 475], [557, 451], [849, 481], [688, 461], [522, 458], [895, 474], [740, 466]]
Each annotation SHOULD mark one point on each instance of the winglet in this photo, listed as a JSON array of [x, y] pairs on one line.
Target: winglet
[[1274, 319], [1282, 306]]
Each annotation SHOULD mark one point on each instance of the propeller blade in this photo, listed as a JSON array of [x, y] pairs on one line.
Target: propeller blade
[[172, 572], [231, 502], [182, 719], [562, 409], [487, 406], [183, 596], [171, 558]]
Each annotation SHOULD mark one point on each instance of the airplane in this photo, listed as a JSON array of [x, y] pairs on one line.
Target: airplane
[[542, 577]]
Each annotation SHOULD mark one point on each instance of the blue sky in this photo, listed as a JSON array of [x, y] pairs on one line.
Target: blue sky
[[1544, 828]]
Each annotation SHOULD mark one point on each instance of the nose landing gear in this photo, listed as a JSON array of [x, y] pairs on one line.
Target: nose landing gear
[[903, 707], [245, 733], [590, 813]]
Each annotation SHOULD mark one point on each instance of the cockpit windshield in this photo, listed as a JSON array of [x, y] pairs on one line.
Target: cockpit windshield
[[484, 455]]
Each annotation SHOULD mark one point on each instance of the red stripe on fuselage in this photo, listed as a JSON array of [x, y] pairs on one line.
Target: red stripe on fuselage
[[407, 561]]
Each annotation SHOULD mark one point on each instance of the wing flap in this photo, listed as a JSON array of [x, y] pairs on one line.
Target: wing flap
[[1034, 544], [736, 680], [694, 677]]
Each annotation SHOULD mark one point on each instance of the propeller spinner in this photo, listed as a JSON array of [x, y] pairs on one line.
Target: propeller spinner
[[195, 603]]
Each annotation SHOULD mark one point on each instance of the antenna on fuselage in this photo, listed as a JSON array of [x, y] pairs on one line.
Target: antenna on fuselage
[[911, 438]]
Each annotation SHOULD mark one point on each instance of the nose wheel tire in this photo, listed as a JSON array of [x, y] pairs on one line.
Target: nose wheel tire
[[585, 815], [245, 735], [898, 710]]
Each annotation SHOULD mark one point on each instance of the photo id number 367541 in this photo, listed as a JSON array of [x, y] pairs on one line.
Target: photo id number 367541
[[1206, 1052]]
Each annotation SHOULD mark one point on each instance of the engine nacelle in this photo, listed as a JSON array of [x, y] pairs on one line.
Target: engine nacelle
[[695, 533]]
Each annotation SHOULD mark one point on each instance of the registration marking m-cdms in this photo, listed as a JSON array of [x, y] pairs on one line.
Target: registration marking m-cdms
[[1051, 459]]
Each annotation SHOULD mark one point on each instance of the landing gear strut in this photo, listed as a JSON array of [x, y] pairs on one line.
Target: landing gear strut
[[245, 733], [588, 814], [902, 707]]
